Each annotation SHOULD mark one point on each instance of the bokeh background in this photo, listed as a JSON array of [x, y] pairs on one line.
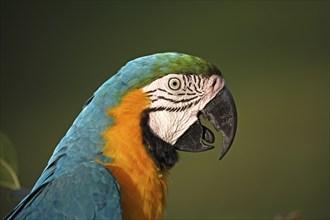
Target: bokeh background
[[274, 56]]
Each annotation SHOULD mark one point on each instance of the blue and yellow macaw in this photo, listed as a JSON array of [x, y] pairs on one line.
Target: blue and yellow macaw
[[114, 160]]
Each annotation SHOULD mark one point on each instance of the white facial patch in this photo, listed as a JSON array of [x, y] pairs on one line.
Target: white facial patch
[[176, 100]]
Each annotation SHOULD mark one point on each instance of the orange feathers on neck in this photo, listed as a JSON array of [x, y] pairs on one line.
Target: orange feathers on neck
[[141, 183]]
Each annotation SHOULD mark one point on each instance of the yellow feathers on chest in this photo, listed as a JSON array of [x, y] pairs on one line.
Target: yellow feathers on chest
[[141, 183]]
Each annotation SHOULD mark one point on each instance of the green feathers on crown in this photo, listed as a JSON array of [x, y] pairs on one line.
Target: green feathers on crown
[[148, 68], [142, 71]]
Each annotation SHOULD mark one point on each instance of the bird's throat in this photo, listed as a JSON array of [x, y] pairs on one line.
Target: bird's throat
[[142, 184]]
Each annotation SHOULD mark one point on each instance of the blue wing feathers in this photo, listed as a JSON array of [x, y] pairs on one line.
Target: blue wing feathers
[[87, 191], [69, 177]]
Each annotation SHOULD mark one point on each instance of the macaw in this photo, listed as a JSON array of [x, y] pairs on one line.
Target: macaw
[[114, 161]]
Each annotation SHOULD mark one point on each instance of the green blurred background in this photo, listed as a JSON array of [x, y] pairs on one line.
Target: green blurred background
[[274, 56]]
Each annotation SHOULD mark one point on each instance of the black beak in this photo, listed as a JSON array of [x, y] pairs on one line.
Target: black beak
[[221, 112]]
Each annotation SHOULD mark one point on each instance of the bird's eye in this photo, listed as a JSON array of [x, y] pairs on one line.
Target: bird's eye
[[174, 83]]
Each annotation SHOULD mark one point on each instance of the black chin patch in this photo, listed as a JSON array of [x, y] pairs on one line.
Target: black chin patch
[[163, 153]]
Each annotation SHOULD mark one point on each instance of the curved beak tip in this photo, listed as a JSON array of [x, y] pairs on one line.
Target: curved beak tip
[[227, 142]]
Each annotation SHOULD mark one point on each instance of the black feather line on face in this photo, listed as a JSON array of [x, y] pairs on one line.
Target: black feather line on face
[[164, 154]]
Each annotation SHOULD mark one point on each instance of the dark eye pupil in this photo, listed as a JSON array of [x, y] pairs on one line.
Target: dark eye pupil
[[174, 84]]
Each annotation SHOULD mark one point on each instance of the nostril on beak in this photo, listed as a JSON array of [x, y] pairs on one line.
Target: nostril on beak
[[216, 82]]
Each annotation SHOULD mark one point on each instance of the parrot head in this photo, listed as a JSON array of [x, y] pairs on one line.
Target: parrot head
[[179, 88]]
